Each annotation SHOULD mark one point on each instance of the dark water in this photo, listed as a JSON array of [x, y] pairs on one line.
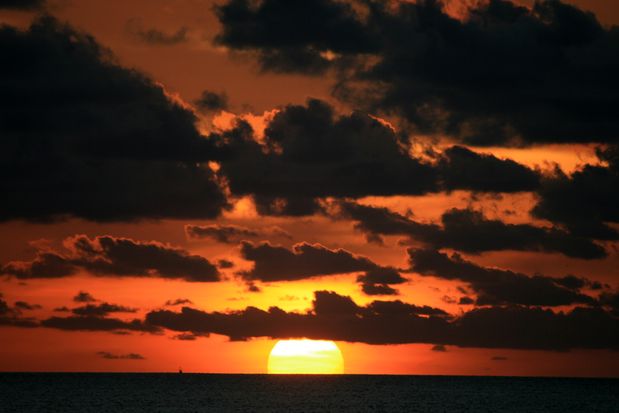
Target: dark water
[[66, 392]]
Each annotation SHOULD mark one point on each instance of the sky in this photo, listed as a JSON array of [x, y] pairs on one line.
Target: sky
[[431, 185]]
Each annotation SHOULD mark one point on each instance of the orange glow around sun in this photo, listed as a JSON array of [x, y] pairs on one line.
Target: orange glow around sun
[[305, 357]]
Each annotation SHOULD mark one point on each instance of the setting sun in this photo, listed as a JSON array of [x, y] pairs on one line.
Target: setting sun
[[305, 357]]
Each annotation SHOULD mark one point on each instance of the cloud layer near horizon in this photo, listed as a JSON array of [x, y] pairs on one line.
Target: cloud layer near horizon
[[336, 317]]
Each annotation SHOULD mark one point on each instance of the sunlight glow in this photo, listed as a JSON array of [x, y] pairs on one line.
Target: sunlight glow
[[305, 357]]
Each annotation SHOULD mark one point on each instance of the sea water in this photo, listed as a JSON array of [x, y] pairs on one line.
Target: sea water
[[103, 392]]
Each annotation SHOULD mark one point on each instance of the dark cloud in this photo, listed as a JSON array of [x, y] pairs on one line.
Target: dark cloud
[[44, 265], [85, 137], [448, 299], [521, 327], [329, 303], [382, 275], [12, 316], [276, 263], [470, 231], [337, 317], [400, 308], [585, 201], [93, 323], [289, 36], [376, 281], [211, 101], [232, 234], [224, 264], [310, 152], [221, 233], [252, 287], [178, 301], [495, 286], [84, 297], [466, 301], [22, 305], [611, 300], [4, 307], [110, 256], [101, 310], [574, 282], [439, 348], [461, 168], [504, 74], [22, 4], [155, 36], [378, 289], [113, 356], [186, 337]]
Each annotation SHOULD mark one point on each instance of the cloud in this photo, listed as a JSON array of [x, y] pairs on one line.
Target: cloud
[[85, 137], [155, 36], [439, 348], [12, 316], [113, 356], [186, 337], [461, 168], [224, 264], [178, 301], [611, 300], [376, 281], [276, 263], [101, 310], [585, 201], [110, 256], [211, 101], [22, 4], [22, 305], [221, 233], [495, 286], [94, 323], [550, 79], [466, 301], [336, 317], [378, 289], [232, 234], [470, 231], [84, 297], [93, 317], [311, 152], [290, 36], [332, 313], [252, 287]]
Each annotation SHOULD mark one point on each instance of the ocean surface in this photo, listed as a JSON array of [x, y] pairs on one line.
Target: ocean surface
[[102, 392]]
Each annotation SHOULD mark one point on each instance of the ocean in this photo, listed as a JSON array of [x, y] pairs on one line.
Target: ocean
[[137, 392]]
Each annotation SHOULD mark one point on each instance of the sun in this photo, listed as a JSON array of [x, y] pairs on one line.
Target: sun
[[305, 357]]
